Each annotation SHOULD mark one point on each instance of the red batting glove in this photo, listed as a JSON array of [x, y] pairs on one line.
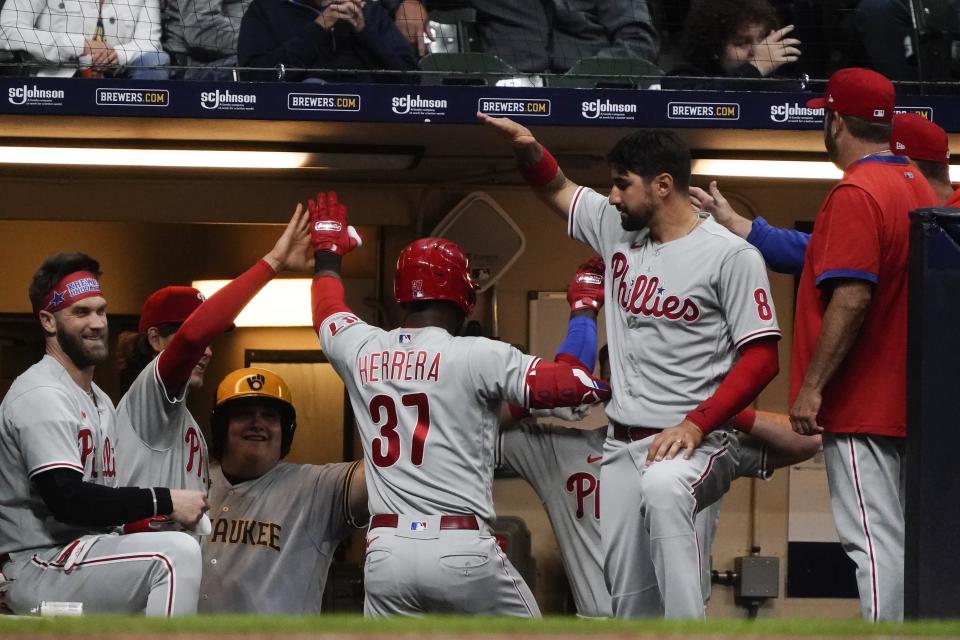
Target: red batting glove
[[329, 230], [586, 288], [150, 525]]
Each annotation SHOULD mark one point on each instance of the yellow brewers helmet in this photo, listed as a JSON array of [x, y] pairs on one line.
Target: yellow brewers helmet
[[252, 382]]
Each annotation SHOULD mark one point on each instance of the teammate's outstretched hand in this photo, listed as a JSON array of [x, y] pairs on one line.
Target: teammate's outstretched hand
[[292, 251], [586, 287], [668, 443], [803, 413], [512, 131], [188, 507], [717, 206], [329, 230]]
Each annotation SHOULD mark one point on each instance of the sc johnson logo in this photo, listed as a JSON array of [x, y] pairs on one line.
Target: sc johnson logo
[[794, 113], [703, 111], [415, 105], [923, 112], [606, 110], [35, 96], [323, 102], [133, 97], [227, 100], [514, 106]]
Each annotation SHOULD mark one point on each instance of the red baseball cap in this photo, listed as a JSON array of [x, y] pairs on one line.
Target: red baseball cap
[[858, 92], [170, 305], [919, 139]]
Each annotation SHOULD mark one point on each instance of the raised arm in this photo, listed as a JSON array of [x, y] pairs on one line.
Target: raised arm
[[331, 238], [537, 165], [216, 315]]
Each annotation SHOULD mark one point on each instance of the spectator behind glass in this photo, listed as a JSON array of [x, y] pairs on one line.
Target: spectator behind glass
[[202, 35], [551, 36], [59, 32], [732, 39], [350, 36]]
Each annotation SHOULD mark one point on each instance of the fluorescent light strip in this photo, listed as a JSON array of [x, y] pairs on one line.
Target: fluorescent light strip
[[282, 303], [154, 157], [783, 169]]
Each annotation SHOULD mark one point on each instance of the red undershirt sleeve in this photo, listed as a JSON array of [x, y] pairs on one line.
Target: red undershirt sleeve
[[757, 366], [207, 322], [327, 295]]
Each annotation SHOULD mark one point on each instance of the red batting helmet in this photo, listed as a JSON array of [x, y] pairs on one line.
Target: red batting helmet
[[434, 269]]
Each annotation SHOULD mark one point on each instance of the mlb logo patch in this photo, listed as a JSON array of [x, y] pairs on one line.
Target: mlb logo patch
[[405, 338], [417, 286], [418, 525]]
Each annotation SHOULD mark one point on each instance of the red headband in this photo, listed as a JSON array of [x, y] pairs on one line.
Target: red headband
[[72, 288]]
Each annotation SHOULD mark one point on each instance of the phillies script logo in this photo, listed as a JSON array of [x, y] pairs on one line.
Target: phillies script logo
[[583, 485], [85, 443], [646, 296], [195, 455]]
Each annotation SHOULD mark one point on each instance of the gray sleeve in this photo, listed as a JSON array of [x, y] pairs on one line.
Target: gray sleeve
[[48, 434], [150, 408], [745, 297], [499, 371], [328, 487], [208, 32]]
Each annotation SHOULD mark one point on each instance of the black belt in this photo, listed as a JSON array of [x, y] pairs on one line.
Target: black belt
[[391, 520], [624, 433]]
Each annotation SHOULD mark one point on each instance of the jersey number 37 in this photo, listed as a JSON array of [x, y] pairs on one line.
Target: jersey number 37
[[383, 412]]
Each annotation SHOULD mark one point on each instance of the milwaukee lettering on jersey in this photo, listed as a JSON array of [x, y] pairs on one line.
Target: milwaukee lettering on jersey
[[406, 366], [646, 296], [251, 532]]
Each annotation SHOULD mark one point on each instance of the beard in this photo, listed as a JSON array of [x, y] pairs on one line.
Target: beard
[[83, 353]]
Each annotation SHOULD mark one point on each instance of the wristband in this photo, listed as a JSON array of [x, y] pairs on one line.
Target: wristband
[[541, 173], [153, 494]]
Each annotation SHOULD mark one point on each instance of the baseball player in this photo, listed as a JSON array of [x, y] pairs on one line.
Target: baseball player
[[783, 249], [849, 361], [59, 496], [693, 336], [159, 440], [427, 408], [276, 524]]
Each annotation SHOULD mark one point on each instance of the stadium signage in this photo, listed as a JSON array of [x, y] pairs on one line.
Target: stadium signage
[[514, 106], [607, 110], [323, 102], [923, 112], [133, 97], [416, 105], [794, 113], [227, 100], [703, 111], [35, 96]]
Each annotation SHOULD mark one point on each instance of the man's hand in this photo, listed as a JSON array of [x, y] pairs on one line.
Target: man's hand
[[188, 507], [101, 53], [668, 443], [413, 21], [803, 413], [350, 11], [292, 252], [514, 132], [775, 50], [329, 230], [717, 206], [586, 287]]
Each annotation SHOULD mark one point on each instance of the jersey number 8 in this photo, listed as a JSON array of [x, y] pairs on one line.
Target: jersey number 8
[[383, 409]]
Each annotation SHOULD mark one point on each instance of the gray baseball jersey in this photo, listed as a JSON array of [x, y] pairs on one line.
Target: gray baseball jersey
[[158, 439], [676, 312], [563, 467], [273, 538], [427, 407], [49, 422]]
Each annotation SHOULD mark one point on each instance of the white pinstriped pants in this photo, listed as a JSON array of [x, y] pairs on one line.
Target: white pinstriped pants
[[866, 477], [153, 573]]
